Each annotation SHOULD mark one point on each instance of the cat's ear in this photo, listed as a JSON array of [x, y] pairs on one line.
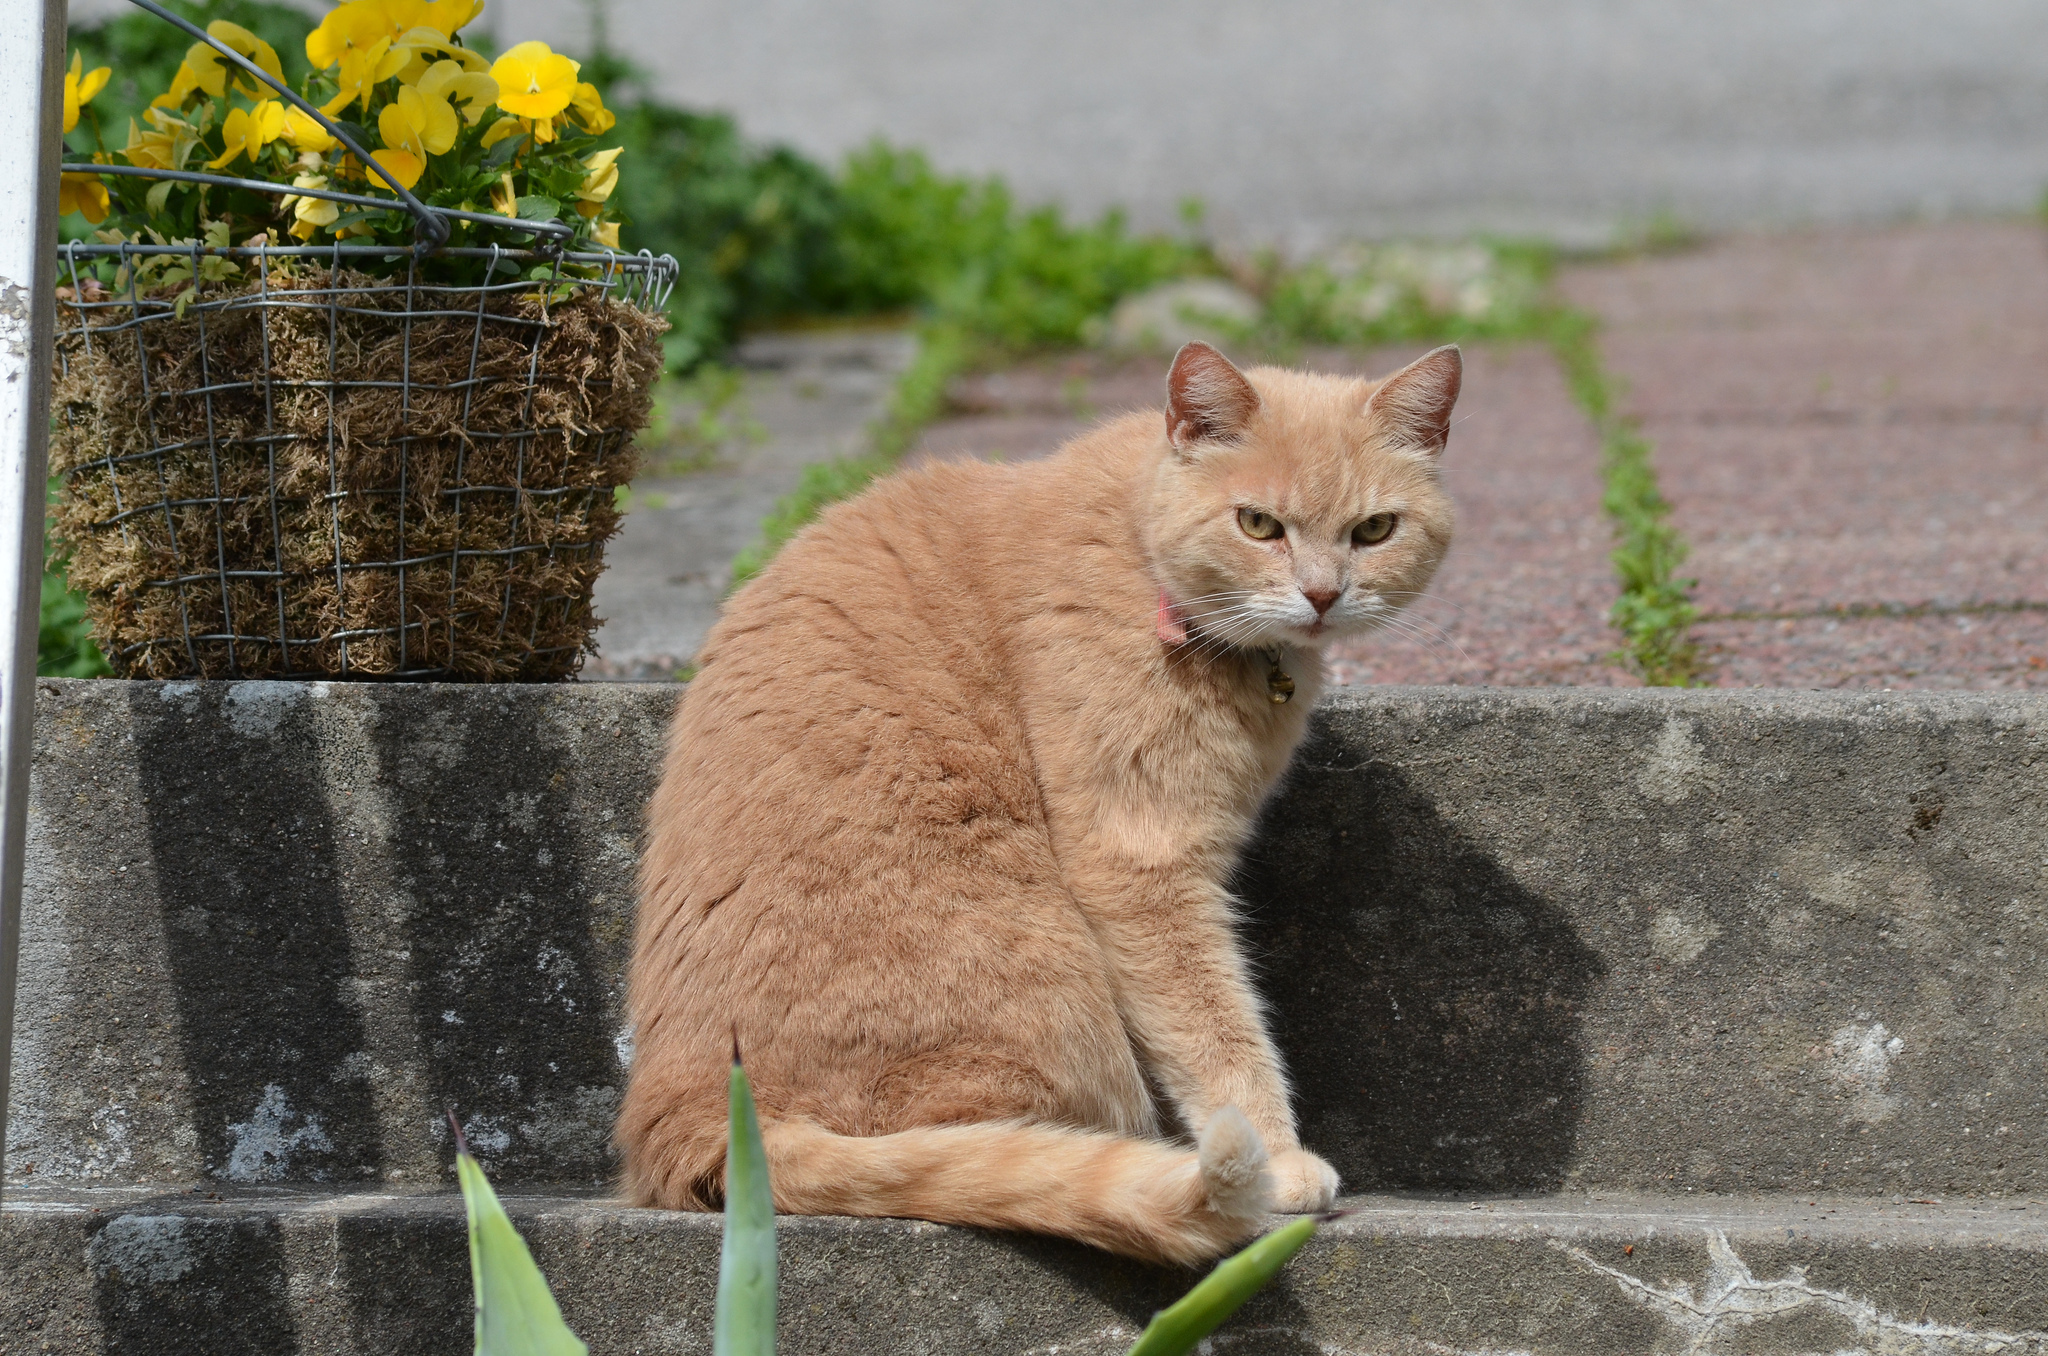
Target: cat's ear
[[1413, 407], [1206, 397]]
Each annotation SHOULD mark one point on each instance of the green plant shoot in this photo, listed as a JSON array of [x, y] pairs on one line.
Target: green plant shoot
[[516, 1314], [744, 1324], [1176, 1329]]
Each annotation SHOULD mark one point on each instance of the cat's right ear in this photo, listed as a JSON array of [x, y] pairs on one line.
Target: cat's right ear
[[1206, 397]]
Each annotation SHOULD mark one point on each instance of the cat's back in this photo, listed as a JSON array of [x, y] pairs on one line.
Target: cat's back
[[919, 583]]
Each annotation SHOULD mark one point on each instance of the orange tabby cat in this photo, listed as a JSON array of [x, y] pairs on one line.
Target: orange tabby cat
[[948, 813]]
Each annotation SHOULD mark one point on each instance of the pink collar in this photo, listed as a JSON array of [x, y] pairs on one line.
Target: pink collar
[[1173, 624]]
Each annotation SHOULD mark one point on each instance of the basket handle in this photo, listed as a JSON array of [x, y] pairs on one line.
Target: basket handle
[[430, 227]]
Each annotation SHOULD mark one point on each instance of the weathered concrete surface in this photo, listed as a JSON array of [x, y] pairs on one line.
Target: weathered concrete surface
[[150, 1275], [1514, 940]]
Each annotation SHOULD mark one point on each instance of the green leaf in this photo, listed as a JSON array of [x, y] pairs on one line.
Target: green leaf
[[159, 194], [499, 154], [516, 1314], [744, 1324], [538, 207], [1176, 1329]]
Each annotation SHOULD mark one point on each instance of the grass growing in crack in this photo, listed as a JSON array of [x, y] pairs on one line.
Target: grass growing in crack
[[1655, 611]]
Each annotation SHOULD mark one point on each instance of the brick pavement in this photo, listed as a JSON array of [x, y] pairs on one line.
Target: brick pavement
[[1850, 426]]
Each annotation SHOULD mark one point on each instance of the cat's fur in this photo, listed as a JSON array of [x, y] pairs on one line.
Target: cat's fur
[[948, 815]]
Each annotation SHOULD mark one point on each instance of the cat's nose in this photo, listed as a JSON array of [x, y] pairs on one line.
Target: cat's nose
[[1320, 599]]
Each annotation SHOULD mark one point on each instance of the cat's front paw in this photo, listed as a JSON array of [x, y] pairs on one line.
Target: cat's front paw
[[1302, 1182]]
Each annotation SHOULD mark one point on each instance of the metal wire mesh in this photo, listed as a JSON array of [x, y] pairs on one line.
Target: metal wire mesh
[[432, 504]]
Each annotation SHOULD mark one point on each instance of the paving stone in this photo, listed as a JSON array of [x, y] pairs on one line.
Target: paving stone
[[1851, 426]]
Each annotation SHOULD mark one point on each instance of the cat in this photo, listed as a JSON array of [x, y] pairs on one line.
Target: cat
[[947, 818]]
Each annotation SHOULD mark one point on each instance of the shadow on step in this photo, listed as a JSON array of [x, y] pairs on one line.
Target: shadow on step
[[256, 934], [1427, 1004]]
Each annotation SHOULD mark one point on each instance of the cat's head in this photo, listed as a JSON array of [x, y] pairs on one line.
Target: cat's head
[[1297, 509]]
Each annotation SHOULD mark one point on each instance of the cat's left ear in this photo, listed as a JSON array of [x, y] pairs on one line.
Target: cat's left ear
[[1413, 407]]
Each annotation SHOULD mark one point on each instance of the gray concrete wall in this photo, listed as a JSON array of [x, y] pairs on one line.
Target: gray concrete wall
[[1301, 121], [1514, 940]]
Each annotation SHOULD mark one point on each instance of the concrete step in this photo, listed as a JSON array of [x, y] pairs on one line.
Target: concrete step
[[1514, 940], [280, 1272]]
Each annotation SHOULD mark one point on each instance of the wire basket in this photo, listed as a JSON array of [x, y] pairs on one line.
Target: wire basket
[[294, 469], [306, 471]]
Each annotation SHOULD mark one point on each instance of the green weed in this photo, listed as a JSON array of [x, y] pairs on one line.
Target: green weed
[[1654, 612]]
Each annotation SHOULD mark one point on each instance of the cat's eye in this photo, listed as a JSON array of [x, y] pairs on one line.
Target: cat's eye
[[1374, 530], [1259, 526]]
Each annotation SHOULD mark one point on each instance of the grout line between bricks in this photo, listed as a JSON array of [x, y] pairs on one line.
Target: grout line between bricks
[[1866, 611], [1654, 612]]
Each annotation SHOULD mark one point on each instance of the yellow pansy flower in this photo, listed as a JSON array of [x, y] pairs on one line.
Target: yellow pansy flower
[[504, 197], [586, 105], [352, 27], [212, 68], [310, 214], [246, 133], [82, 193], [360, 39], [534, 82], [603, 177], [448, 81], [417, 124], [305, 134], [607, 234], [79, 87]]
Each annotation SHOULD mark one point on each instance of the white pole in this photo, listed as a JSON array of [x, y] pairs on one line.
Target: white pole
[[31, 147]]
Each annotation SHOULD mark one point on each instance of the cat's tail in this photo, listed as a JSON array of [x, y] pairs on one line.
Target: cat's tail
[[1138, 1197]]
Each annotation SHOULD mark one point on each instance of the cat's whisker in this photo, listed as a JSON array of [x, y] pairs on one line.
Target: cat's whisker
[[1433, 640]]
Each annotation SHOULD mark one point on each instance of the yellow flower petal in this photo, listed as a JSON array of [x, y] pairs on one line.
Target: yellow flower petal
[[84, 194], [607, 234], [250, 46], [450, 15], [603, 177], [305, 134], [399, 132], [404, 166], [587, 107], [499, 130], [448, 79]]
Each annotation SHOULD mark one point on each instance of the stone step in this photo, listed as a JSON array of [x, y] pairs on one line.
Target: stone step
[[1513, 940], [280, 1272]]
